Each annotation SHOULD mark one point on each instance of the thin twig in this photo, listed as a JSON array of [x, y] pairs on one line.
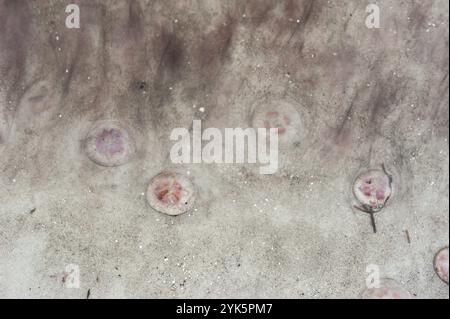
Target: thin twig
[[372, 220], [408, 238], [372, 217], [361, 209]]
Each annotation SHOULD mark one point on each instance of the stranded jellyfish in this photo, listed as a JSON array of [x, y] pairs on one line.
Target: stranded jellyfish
[[39, 99], [109, 144], [39, 102], [281, 115], [441, 264], [171, 193], [373, 189], [387, 289]]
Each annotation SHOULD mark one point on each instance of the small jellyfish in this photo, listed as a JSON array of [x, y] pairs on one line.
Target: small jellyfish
[[109, 144], [373, 189], [38, 98], [441, 264], [276, 120], [39, 104], [387, 289], [171, 193], [281, 115]]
